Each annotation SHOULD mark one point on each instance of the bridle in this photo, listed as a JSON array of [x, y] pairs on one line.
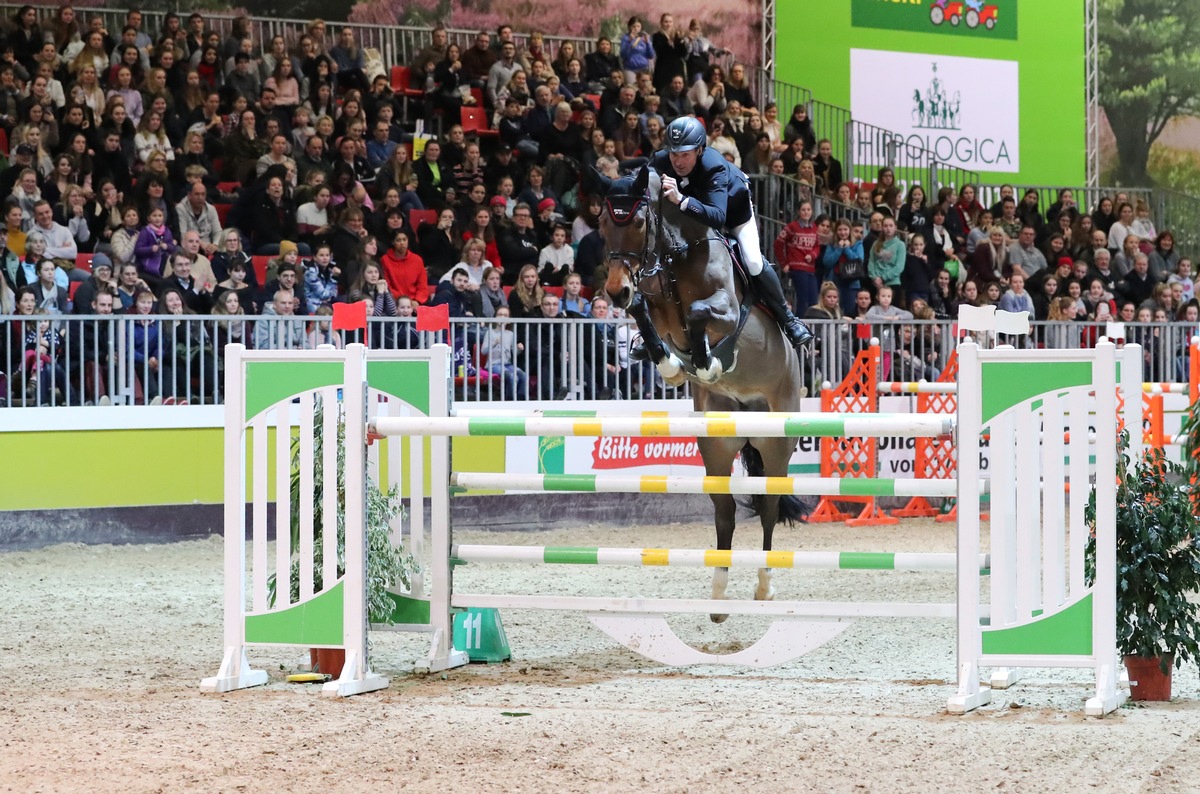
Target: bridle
[[622, 215]]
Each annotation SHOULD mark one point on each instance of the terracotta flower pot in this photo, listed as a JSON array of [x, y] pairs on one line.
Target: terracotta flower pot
[[1147, 681], [330, 661]]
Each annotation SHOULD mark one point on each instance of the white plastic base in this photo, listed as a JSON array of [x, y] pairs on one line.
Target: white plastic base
[[1004, 677], [355, 679], [235, 673], [442, 656], [1099, 706], [961, 704], [650, 636], [1112, 690]]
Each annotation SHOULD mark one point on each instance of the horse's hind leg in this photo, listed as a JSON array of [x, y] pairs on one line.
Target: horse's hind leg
[[718, 454], [726, 520], [768, 515], [776, 453]]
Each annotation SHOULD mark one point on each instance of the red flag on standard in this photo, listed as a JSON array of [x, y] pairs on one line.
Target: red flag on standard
[[350, 316], [433, 318]]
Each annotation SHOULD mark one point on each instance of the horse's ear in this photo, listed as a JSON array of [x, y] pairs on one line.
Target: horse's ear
[[596, 183], [642, 181], [653, 183]]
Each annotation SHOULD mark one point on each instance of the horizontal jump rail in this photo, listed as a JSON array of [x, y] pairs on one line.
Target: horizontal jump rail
[[917, 387], [688, 484], [939, 387], [710, 425], [702, 606], [713, 558], [1165, 388]]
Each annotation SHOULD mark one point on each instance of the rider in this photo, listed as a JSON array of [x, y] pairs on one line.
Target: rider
[[715, 192]]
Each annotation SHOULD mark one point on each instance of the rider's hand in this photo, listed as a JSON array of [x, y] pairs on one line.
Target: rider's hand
[[671, 189]]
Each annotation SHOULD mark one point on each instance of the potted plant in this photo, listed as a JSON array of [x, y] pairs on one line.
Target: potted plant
[[387, 565], [1158, 570]]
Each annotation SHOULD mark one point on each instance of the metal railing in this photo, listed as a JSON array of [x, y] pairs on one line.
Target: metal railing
[[1086, 199], [397, 44], [1180, 213], [862, 148], [1170, 210], [138, 360]]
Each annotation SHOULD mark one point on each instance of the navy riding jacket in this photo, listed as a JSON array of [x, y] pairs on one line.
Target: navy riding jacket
[[718, 192]]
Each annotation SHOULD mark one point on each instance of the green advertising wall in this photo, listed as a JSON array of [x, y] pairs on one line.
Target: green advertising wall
[[151, 467], [1007, 100]]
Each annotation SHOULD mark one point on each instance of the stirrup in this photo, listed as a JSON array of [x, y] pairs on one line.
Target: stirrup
[[797, 333]]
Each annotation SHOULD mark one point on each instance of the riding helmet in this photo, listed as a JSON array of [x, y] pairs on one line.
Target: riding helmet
[[685, 134]]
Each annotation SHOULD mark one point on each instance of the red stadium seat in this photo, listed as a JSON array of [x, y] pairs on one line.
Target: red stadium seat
[[417, 217], [474, 121], [72, 288], [222, 213], [83, 262], [399, 78], [259, 263]]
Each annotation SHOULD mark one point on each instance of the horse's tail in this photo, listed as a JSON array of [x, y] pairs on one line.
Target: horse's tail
[[791, 508]]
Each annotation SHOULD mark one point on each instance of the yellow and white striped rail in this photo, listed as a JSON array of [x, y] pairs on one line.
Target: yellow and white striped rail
[[708, 425], [917, 387], [940, 387], [689, 484]]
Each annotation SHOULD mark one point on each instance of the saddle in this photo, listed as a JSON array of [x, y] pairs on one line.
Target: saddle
[[740, 273]]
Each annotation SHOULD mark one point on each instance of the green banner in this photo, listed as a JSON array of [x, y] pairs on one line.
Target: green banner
[[1007, 101], [971, 18]]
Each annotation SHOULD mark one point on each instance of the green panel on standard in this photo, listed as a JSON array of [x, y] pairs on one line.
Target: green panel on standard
[[269, 382], [317, 621], [1065, 633]]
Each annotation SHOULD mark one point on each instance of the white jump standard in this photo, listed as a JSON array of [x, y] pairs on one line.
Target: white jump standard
[[1041, 611]]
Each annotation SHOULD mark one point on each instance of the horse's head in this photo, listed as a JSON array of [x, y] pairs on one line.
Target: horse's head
[[628, 228]]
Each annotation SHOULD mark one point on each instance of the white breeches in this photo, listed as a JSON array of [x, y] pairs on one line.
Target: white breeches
[[747, 237]]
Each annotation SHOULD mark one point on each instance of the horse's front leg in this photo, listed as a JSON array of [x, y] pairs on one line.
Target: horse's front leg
[[669, 366], [703, 315]]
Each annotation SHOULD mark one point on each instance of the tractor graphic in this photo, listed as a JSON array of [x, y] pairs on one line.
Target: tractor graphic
[[973, 12]]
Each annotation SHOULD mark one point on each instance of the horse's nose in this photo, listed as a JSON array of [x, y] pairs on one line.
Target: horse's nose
[[624, 297]]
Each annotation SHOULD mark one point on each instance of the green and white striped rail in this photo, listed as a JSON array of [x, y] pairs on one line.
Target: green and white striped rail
[[712, 558], [689, 484], [740, 425]]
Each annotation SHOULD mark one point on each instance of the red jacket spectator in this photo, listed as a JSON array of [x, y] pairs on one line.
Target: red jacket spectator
[[797, 247], [405, 274]]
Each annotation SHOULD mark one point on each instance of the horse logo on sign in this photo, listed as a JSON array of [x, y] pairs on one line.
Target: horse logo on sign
[[936, 109]]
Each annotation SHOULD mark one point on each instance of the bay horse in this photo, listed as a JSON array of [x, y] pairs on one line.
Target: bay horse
[[676, 278]]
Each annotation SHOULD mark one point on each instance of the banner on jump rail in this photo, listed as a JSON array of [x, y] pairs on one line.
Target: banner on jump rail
[[669, 456]]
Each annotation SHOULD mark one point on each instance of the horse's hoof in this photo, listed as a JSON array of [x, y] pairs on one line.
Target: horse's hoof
[[669, 366], [711, 373], [718, 618], [767, 595]]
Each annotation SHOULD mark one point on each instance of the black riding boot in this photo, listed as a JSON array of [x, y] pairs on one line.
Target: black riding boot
[[770, 292]]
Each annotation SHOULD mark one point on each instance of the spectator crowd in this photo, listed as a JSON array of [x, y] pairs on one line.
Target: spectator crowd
[[183, 171]]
